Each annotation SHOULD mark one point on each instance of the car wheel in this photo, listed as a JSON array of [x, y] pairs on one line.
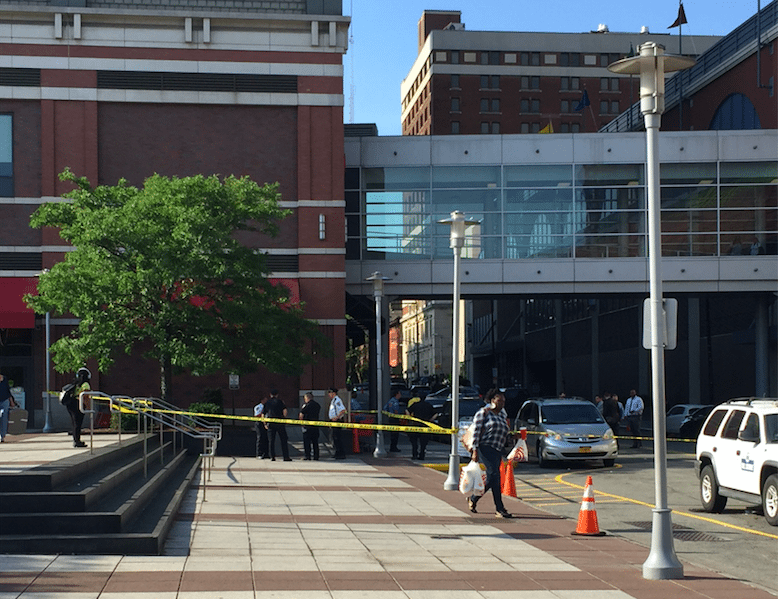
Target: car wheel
[[770, 500], [709, 491], [609, 463], [542, 462]]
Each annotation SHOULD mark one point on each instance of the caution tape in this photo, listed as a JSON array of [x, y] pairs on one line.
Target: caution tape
[[143, 406]]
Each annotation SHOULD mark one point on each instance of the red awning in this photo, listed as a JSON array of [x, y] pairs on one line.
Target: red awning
[[14, 313]]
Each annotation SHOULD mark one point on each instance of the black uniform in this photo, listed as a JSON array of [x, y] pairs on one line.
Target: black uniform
[[274, 408], [422, 410], [310, 411]]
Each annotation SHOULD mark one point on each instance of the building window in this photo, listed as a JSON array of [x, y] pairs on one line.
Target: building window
[[525, 127], [455, 105], [484, 81], [609, 84], [484, 104], [496, 105], [530, 59], [564, 107], [575, 128], [490, 58], [496, 128], [535, 105], [484, 127], [569, 84], [495, 81], [735, 112], [6, 156], [455, 81], [614, 84], [570, 59], [530, 82], [455, 57], [615, 107], [603, 107], [455, 127], [535, 128]]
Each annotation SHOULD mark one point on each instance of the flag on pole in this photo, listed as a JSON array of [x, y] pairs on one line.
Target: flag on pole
[[548, 128], [681, 19], [584, 102]]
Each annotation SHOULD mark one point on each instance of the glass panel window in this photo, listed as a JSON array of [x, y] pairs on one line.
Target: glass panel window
[[495, 82], [6, 156], [474, 177], [538, 176], [615, 107], [614, 84], [609, 174], [496, 128], [484, 104], [396, 178], [455, 57], [455, 81], [455, 127], [455, 104], [484, 81], [604, 84], [564, 106], [688, 173], [749, 172], [484, 127], [496, 105]]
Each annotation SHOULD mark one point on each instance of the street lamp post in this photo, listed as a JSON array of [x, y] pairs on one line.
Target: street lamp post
[[457, 241], [378, 296], [652, 64]]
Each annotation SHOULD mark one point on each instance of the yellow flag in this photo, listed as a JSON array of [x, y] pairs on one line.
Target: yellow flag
[[547, 129]]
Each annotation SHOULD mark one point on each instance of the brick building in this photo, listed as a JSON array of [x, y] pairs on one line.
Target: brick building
[[474, 82], [124, 89]]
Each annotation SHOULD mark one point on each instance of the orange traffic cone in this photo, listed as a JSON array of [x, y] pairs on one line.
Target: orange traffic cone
[[508, 482], [587, 517], [356, 441]]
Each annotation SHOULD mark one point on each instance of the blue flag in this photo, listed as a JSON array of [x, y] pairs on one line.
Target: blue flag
[[583, 103]]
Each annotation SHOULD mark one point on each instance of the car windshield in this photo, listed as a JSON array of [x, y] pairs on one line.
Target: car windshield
[[771, 427], [469, 408], [570, 414]]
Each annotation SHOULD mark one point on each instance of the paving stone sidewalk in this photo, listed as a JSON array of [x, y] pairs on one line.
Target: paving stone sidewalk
[[348, 529]]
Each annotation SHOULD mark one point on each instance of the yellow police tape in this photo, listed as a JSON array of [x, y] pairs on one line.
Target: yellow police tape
[[426, 427]]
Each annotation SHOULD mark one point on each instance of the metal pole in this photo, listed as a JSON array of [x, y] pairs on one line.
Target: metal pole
[[48, 427], [452, 482], [662, 562], [378, 294], [652, 64]]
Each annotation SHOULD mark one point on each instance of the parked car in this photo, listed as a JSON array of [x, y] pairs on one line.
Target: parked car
[[737, 456], [566, 429], [467, 410], [677, 414], [361, 392], [440, 397], [692, 424]]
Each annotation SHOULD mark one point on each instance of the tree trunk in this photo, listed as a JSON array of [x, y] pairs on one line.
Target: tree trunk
[[166, 379]]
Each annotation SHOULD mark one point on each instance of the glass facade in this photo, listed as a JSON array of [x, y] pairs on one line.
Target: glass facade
[[561, 211]]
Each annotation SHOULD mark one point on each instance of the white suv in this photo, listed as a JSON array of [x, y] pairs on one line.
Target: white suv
[[737, 456]]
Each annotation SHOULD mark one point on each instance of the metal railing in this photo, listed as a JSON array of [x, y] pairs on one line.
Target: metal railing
[[151, 411]]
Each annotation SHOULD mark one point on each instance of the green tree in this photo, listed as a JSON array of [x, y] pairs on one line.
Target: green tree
[[162, 268]]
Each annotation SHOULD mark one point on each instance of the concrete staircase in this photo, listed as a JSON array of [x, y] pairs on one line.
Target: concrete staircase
[[121, 499]]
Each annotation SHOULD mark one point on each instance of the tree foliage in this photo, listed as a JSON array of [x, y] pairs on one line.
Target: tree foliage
[[162, 266]]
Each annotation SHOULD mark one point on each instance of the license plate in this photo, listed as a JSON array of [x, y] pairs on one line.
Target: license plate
[[584, 449]]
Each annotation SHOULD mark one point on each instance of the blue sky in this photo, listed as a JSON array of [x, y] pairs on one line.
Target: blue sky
[[385, 36]]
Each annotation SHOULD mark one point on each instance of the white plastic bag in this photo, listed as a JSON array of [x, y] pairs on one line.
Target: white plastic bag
[[471, 480], [467, 437], [519, 452]]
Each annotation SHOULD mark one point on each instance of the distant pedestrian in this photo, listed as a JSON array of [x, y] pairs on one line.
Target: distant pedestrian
[[337, 413], [612, 412], [393, 407], [634, 414], [70, 396], [6, 403], [275, 408], [422, 410], [261, 428], [310, 411]]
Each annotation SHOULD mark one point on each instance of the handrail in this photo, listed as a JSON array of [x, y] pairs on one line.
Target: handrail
[[166, 415]]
